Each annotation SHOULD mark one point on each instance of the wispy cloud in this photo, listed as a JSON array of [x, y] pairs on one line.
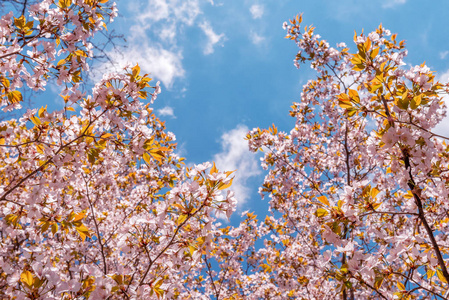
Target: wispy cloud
[[160, 63], [443, 54], [235, 155], [180, 11], [257, 11], [256, 38], [154, 40], [166, 111], [212, 38], [443, 127], [393, 3]]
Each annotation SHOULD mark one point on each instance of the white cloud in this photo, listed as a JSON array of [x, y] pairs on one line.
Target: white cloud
[[235, 155], [443, 54], [153, 40], [168, 33], [181, 11], [166, 111], [256, 39], [212, 38], [443, 127], [393, 3], [257, 11], [162, 64]]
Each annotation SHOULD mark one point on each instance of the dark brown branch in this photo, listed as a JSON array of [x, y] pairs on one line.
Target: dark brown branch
[[105, 269], [421, 215]]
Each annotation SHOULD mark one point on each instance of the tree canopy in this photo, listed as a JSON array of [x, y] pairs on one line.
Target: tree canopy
[[96, 204]]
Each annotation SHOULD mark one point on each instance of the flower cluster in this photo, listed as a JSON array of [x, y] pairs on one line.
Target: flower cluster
[[94, 201], [358, 189]]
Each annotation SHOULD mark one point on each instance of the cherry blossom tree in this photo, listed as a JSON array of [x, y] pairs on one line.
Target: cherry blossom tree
[[358, 189], [94, 202], [97, 47]]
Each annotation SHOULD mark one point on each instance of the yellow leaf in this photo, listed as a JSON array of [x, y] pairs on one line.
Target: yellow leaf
[[441, 276], [229, 172], [321, 212], [409, 195], [65, 3], [136, 70], [61, 62], [374, 52], [374, 192], [45, 226], [5, 82], [15, 96], [20, 22], [356, 59], [69, 108], [12, 219], [430, 273], [223, 186], [40, 149], [323, 199], [35, 120], [201, 240], [378, 282], [80, 53], [181, 219], [41, 111], [79, 216], [192, 249], [213, 170], [147, 144], [376, 205], [54, 227], [339, 203], [158, 154], [345, 104], [344, 101], [400, 286], [354, 95], [83, 231], [27, 278], [416, 101], [147, 158], [343, 97], [106, 135], [367, 44]]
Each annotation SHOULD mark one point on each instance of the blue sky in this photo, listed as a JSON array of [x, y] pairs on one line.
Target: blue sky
[[225, 66]]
